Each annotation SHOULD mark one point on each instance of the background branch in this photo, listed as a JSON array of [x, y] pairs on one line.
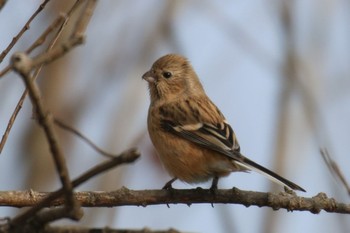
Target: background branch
[[102, 230]]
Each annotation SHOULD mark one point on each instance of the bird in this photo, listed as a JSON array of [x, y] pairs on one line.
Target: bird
[[191, 136]]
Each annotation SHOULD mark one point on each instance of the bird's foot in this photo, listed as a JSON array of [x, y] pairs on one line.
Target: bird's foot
[[214, 185], [168, 185]]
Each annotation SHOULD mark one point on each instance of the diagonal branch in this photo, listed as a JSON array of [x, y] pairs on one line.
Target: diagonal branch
[[22, 65], [83, 137], [334, 168], [25, 28]]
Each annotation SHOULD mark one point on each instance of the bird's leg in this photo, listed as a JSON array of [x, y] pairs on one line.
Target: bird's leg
[[214, 184], [168, 186], [214, 187]]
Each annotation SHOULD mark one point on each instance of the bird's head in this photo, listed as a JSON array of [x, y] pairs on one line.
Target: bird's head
[[171, 77]]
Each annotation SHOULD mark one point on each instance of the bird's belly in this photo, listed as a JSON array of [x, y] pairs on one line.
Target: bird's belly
[[192, 163]]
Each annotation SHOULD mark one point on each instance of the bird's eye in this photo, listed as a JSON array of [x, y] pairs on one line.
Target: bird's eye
[[167, 74]]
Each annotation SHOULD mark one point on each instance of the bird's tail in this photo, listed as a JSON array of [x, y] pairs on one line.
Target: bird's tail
[[251, 165]]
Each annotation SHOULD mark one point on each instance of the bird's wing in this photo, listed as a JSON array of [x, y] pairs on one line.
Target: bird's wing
[[221, 138]]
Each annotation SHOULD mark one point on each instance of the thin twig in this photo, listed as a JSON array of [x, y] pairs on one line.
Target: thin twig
[[25, 28], [76, 38], [84, 138], [35, 75], [60, 21], [12, 120], [314, 115], [58, 52], [334, 168], [5, 71]]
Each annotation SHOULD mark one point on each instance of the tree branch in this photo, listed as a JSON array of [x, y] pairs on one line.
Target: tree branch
[[101, 230], [21, 64], [127, 197], [128, 156]]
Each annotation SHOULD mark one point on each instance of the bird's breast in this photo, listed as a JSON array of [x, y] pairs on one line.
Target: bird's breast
[[184, 159]]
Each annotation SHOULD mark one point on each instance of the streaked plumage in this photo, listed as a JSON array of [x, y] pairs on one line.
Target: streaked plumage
[[192, 138]]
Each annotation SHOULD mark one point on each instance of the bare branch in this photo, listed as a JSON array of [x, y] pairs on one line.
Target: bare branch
[[102, 230], [22, 64], [126, 197]]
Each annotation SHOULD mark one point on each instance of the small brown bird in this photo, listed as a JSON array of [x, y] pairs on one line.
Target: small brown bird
[[192, 138]]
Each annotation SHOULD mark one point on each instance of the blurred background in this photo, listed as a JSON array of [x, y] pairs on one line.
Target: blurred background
[[278, 70]]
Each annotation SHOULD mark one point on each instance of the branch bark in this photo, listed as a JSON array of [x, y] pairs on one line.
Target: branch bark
[[127, 197]]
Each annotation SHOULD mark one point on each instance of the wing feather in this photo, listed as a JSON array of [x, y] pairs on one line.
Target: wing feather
[[222, 140], [203, 135]]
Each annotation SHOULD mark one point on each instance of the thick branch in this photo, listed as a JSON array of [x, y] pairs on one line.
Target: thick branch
[[126, 197]]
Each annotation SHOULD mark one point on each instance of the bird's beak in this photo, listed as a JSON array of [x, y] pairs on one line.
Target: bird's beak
[[149, 77]]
